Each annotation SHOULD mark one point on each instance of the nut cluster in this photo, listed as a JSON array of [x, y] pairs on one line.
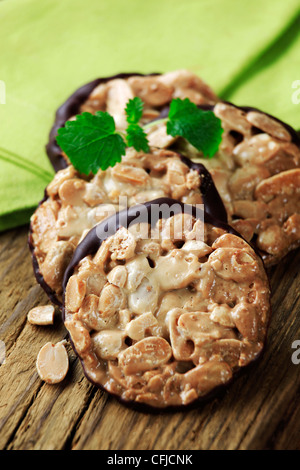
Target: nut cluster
[[74, 205], [257, 173], [165, 321]]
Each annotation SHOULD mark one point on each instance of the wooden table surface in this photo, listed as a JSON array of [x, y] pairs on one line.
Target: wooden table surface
[[260, 410]]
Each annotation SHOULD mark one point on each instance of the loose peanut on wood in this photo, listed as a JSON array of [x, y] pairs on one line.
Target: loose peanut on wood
[[52, 362], [41, 315]]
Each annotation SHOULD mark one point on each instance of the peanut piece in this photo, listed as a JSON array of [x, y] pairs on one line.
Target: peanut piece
[[75, 293], [269, 125], [146, 354], [41, 315], [108, 343], [52, 363], [111, 299]]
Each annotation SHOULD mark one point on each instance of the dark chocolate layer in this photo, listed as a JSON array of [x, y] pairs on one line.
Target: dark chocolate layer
[[36, 269], [212, 200], [39, 277]]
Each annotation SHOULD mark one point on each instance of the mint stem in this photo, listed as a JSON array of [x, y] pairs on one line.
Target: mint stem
[[154, 123], [122, 134]]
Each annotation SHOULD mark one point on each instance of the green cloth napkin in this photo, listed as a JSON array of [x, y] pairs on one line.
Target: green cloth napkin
[[247, 51]]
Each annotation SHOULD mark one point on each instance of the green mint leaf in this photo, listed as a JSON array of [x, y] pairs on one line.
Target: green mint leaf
[[200, 128], [91, 142], [134, 110], [137, 138]]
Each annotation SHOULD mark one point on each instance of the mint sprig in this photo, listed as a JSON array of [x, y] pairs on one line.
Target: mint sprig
[[136, 136], [134, 110], [91, 141], [200, 128]]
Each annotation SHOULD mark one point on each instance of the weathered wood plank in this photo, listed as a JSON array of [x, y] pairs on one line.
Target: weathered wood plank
[[19, 380], [18, 288], [52, 416], [260, 410]]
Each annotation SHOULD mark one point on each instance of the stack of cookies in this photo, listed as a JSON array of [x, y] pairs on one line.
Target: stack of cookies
[[158, 263]]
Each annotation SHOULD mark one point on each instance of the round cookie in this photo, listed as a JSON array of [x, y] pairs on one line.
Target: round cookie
[[112, 94], [257, 173], [73, 204], [163, 308]]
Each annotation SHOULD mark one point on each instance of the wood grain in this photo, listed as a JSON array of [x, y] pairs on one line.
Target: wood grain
[[260, 410]]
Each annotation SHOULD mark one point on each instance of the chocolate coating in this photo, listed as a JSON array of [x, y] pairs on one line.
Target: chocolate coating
[[36, 270], [211, 198]]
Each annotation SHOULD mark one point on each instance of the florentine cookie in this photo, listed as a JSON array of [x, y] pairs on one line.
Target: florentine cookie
[[257, 168], [257, 173], [111, 94], [73, 204], [165, 319]]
